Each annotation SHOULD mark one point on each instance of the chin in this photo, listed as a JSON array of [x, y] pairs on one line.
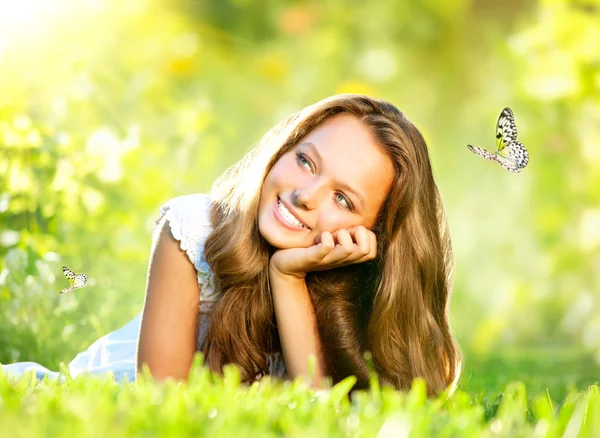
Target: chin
[[277, 235], [278, 242], [278, 239]]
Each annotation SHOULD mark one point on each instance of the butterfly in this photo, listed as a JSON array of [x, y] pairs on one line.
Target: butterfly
[[511, 154], [77, 280]]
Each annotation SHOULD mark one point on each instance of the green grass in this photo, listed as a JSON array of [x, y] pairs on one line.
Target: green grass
[[210, 405], [555, 370]]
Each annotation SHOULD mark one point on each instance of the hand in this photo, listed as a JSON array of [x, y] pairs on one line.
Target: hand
[[331, 250]]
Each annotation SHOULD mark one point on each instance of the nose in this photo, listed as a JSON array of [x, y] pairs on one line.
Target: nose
[[309, 196], [301, 198]]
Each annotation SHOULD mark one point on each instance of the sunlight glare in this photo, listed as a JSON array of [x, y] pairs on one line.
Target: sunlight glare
[[26, 19]]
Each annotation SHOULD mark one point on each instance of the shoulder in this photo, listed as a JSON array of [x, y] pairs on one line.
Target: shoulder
[[189, 219], [188, 208], [189, 223]]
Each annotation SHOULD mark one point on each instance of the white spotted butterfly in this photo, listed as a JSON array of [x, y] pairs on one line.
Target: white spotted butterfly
[[511, 154], [77, 280]]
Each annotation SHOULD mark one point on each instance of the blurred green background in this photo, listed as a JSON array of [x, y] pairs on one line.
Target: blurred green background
[[108, 109]]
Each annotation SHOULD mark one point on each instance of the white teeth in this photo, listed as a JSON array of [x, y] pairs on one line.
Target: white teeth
[[288, 215]]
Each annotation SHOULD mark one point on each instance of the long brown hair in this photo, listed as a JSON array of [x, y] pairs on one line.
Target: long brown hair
[[395, 306]]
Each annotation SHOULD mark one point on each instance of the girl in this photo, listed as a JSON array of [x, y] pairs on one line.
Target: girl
[[327, 239]]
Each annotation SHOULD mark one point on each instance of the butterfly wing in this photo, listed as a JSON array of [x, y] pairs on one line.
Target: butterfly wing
[[69, 274], [511, 154], [506, 129], [514, 157], [482, 152], [67, 290], [77, 280], [80, 280]]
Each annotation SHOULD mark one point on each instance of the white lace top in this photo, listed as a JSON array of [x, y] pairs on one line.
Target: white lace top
[[189, 219]]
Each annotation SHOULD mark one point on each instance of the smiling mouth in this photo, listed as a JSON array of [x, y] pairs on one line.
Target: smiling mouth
[[287, 217]]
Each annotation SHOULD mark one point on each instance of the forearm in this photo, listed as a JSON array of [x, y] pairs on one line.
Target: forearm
[[297, 325]]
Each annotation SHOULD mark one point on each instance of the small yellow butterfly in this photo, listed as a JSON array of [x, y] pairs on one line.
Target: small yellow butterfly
[[77, 280]]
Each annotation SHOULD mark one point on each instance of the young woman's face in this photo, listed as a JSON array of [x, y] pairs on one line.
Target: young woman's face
[[336, 177]]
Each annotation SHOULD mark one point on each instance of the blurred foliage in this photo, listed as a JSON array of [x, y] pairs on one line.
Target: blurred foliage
[[108, 109]]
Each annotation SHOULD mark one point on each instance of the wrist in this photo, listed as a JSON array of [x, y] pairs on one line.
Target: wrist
[[276, 273]]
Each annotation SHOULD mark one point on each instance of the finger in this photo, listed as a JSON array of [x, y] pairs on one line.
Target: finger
[[325, 245], [366, 241], [373, 239], [334, 253], [318, 252], [344, 231], [345, 246], [363, 241], [326, 238], [324, 235]]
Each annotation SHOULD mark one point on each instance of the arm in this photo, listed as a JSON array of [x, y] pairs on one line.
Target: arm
[[168, 331], [297, 326]]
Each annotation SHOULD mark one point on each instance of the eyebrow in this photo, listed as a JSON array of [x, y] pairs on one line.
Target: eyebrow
[[343, 185]]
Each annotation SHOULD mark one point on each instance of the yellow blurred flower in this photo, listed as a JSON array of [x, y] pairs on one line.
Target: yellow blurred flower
[[184, 67], [273, 66], [355, 87], [184, 60]]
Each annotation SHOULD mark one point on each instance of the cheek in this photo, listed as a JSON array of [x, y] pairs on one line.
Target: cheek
[[332, 218], [273, 178], [285, 173]]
